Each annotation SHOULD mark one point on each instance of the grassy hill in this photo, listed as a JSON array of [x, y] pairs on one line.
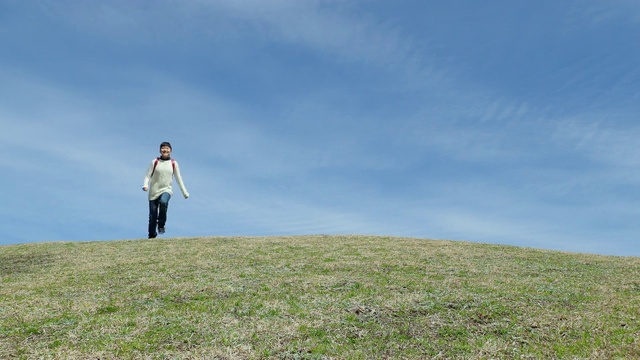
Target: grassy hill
[[314, 297]]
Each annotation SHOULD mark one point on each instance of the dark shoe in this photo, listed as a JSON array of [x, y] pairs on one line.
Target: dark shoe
[[161, 230], [153, 236]]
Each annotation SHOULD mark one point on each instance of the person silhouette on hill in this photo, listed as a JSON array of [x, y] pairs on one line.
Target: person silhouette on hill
[[157, 182]]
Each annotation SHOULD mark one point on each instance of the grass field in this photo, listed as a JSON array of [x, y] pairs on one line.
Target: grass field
[[314, 297]]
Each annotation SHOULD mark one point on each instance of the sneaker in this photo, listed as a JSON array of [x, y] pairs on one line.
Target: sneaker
[[161, 230], [153, 236]]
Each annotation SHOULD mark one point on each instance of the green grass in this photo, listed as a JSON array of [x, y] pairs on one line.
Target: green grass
[[314, 297]]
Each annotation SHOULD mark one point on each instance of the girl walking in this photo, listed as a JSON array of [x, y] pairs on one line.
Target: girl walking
[[158, 182]]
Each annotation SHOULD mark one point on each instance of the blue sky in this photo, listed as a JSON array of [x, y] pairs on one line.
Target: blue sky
[[502, 121]]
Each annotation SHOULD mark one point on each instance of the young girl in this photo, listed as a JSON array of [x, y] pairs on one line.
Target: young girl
[[158, 181]]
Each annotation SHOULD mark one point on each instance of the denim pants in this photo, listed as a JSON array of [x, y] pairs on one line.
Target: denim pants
[[158, 212]]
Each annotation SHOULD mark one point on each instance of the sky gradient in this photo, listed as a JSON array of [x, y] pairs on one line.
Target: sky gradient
[[503, 121]]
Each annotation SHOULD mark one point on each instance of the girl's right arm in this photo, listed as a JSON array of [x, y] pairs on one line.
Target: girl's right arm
[[147, 177]]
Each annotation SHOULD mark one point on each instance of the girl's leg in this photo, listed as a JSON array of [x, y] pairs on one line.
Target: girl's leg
[[153, 218], [163, 205]]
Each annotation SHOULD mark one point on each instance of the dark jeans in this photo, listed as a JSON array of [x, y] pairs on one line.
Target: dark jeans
[[158, 212]]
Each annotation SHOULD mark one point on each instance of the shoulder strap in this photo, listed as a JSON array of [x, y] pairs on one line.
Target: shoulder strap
[[155, 163]]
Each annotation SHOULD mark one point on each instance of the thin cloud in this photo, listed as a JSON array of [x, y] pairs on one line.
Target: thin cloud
[[317, 25], [612, 146]]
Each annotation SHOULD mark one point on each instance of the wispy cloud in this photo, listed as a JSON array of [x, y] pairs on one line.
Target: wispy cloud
[[613, 144]]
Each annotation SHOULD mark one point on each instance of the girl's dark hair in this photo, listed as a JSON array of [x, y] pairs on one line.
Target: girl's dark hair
[[166, 143]]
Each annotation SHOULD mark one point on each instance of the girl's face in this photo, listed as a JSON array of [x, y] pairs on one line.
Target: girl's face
[[165, 151]]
